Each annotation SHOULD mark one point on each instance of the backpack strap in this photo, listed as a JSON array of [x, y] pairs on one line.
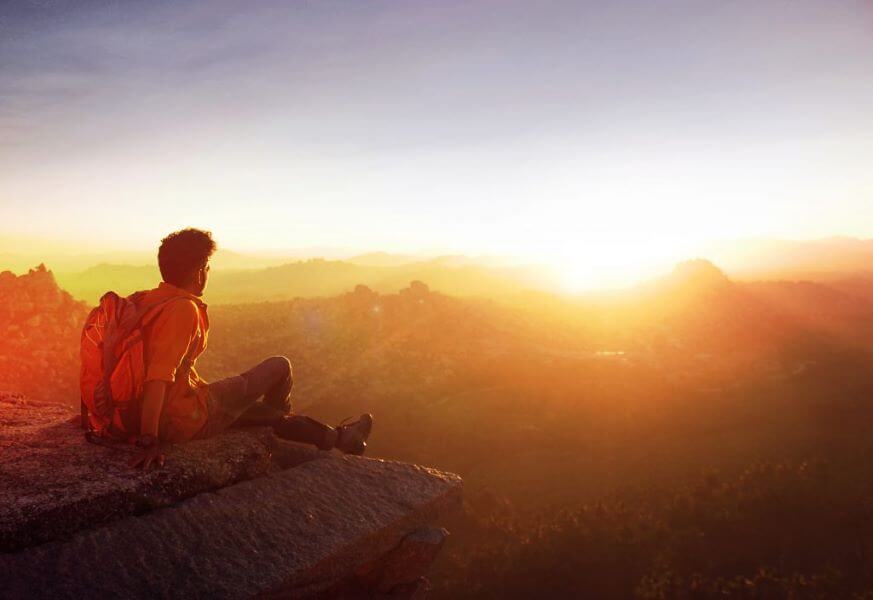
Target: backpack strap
[[109, 358]]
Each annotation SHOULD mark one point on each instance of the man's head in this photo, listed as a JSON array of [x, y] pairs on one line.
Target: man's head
[[183, 259]]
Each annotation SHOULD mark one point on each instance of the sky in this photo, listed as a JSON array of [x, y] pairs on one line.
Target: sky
[[604, 139]]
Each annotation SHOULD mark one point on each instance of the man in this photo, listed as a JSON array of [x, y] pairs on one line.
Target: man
[[177, 405]]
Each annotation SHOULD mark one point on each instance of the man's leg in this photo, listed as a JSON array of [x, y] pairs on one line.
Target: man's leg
[[272, 381], [236, 401]]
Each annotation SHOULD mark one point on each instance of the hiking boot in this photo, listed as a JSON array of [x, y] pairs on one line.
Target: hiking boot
[[352, 437], [305, 430]]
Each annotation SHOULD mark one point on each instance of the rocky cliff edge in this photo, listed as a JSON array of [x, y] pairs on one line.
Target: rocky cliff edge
[[238, 516]]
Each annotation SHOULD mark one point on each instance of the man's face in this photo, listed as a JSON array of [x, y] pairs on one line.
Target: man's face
[[200, 279]]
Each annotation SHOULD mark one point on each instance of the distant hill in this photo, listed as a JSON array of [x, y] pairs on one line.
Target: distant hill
[[317, 277], [688, 280], [19, 253], [93, 282], [382, 259], [386, 259], [698, 295], [40, 326], [312, 278], [818, 260], [70, 263]]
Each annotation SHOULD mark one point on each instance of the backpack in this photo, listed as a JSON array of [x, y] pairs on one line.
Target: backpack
[[113, 366]]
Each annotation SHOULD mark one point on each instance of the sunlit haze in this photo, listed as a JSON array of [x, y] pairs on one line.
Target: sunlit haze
[[605, 140]]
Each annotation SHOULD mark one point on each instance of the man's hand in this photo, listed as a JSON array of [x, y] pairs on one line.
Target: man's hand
[[148, 457], [151, 454]]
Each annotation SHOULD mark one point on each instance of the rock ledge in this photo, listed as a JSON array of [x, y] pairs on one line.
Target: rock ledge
[[239, 516]]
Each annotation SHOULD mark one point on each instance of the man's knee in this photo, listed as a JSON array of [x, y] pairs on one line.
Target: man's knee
[[283, 367]]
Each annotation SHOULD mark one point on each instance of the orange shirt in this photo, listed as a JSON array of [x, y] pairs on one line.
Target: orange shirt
[[173, 340]]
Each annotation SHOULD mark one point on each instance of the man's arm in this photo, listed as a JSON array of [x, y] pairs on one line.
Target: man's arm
[[172, 332], [154, 393]]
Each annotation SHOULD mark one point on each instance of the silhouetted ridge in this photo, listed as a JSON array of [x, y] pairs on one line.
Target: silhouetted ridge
[[39, 335], [695, 276], [317, 277]]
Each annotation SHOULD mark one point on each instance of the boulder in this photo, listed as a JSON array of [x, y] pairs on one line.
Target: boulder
[[39, 319], [237, 516], [54, 483]]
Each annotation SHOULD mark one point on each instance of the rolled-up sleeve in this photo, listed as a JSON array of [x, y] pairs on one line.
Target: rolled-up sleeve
[[170, 335]]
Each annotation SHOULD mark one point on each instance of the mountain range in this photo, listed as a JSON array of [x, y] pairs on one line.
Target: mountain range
[[316, 277]]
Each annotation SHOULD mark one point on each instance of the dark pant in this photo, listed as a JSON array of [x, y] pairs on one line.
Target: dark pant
[[262, 396]]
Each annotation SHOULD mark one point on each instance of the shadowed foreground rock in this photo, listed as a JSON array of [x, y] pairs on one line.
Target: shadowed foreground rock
[[53, 483], [239, 516]]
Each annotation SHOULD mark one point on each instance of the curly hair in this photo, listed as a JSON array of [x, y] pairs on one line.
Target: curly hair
[[182, 253]]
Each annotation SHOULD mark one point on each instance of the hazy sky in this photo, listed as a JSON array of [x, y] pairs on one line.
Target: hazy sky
[[591, 135]]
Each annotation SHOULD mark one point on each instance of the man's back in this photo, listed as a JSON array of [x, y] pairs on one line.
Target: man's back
[[174, 339]]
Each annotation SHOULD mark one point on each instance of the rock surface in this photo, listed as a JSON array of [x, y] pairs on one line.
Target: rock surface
[[238, 516], [53, 483], [406, 564]]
